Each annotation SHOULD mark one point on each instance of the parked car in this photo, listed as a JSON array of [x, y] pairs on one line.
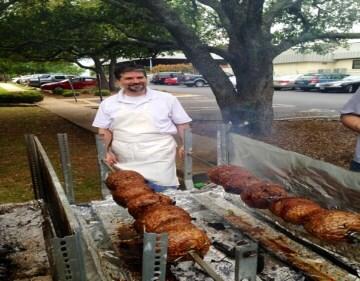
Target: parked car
[[195, 80], [347, 85], [285, 81], [308, 82], [77, 82], [171, 81], [41, 79], [159, 78]]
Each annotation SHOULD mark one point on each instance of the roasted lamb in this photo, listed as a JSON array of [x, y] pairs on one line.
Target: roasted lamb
[[156, 213], [333, 225]]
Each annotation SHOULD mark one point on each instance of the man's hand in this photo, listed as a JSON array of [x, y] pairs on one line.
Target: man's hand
[[181, 152], [110, 158]]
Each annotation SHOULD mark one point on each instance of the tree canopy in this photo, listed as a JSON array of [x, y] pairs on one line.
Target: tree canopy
[[251, 33], [248, 34]]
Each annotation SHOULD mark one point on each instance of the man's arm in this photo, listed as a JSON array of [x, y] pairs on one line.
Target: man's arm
[[106, 137], [351, 121], [181, 131]]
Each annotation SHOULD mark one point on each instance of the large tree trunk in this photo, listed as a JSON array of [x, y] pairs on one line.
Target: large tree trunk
[[99, 69], [252, 110], [112, 79], [249, 106]]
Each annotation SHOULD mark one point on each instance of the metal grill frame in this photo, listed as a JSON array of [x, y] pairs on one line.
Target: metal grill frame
[[61, 229]]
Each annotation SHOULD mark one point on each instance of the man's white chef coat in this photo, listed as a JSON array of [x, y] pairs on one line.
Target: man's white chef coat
[[165, 109]]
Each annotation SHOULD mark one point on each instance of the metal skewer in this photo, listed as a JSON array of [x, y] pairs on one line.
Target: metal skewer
[[354, 237], [205, 266], [111, 168]]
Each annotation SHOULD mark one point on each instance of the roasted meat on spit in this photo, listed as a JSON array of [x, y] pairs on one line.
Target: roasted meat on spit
[[262, 194], [234, 179], [156, 213], [125, 195], [159, 215], [333, 225], [123, 178], [295, 209], [138, 205]]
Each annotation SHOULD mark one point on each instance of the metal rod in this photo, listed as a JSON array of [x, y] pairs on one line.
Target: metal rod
[[188, 164], [111, 168], [354, 237], [103, 169], [202, 160], [205, 266], [66, 166]]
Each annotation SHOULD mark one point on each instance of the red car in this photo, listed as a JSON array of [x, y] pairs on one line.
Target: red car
[[77, 82], [171, 81]]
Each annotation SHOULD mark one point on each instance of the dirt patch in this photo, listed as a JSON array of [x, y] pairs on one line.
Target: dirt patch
[[322, 139], [22, 249]]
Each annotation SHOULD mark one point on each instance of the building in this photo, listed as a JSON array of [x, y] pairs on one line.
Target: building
[[342, 60]]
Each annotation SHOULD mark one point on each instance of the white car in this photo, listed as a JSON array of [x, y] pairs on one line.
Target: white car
[[285, 81]]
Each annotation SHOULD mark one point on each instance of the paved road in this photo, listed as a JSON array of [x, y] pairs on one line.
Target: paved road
[[200, 102]]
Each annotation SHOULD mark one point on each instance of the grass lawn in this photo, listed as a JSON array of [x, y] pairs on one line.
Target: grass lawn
[[15, 180]]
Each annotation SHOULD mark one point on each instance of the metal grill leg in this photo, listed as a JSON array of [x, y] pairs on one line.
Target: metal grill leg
[[35, 167], [103, 169], [188, 176], [223, 144], [246, 262], [154, 257], [66, 166], [67, 255]]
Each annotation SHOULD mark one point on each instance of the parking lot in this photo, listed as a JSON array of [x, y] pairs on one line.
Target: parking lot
[[201, 104]]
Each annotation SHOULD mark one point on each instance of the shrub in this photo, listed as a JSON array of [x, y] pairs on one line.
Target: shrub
[[86, 92], [69, 93], [58, 91], [104, 92], [21, 97]]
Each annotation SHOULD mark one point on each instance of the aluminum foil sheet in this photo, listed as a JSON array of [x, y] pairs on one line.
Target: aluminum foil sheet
[[328, 184], [345, 253], [315, 265], [104, 220]]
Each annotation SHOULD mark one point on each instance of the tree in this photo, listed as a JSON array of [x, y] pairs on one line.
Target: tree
[[50, 30], [252, 33]]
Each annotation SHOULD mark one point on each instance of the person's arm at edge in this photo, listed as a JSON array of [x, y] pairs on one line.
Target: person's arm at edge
[[106, 137], [351, 121], [181, 132]]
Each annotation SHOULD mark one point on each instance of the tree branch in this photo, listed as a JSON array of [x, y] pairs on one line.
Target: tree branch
[[277, 8], [215, 5], [222, 52], [310, 37], [83, 66]]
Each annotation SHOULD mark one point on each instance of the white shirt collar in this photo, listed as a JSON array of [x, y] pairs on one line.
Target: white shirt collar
[[149, 95]]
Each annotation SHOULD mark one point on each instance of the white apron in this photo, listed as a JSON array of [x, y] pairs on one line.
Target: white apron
[[140, 146]]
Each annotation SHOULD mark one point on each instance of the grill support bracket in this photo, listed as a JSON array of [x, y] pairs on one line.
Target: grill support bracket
[[154, 256], [246, 258]]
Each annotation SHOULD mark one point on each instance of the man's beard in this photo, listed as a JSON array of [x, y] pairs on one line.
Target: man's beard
[[136, 88]]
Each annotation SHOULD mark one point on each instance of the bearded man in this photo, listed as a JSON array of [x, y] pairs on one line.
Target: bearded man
[[138, 126]]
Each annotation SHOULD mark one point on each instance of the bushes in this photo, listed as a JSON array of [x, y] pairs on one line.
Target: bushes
[[20, 97], [69, 93], [181, 67], [58, 91], [90, 91], [104, 92]]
